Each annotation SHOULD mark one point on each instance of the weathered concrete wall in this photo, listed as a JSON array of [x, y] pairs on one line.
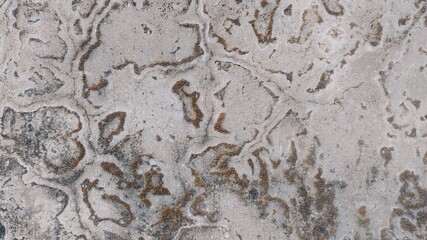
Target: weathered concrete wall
[[213, 119]]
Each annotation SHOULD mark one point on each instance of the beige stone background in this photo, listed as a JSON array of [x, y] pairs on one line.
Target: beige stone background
[[213, 119]]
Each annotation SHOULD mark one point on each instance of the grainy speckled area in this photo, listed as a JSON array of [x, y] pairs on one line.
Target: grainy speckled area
[[213, 119]]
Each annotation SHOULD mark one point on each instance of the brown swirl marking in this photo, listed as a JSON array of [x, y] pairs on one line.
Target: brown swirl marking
[[134, 165], [333, 7], [72, 165], [80, 156], [95, 87], [85, 57], [153, 179], [266, 36], [269, 199], [127, 215], [263, 173], [324, 202], [408, 198], [153, 184], [374, 38], [221, 160], [192, 112], [112, 169], [108, 127], [136, 68], [304, 206], [411, 216], [386, 154], [197, 206], [230, 175], [325, 80], [172, 218], [218, 125], [222, 41]]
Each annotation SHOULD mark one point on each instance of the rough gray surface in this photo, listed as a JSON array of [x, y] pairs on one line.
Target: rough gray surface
[[213, 119]]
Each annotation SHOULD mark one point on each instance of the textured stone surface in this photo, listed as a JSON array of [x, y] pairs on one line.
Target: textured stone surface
[[213, 119]]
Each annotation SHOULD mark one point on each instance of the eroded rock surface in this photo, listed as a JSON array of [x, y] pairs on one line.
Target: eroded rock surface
[[222, 119]]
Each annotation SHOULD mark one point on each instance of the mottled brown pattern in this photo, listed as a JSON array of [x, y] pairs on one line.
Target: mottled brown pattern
[[213, 119]]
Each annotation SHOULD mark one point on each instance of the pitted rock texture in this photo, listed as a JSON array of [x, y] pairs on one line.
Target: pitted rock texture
[[213, 119]]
